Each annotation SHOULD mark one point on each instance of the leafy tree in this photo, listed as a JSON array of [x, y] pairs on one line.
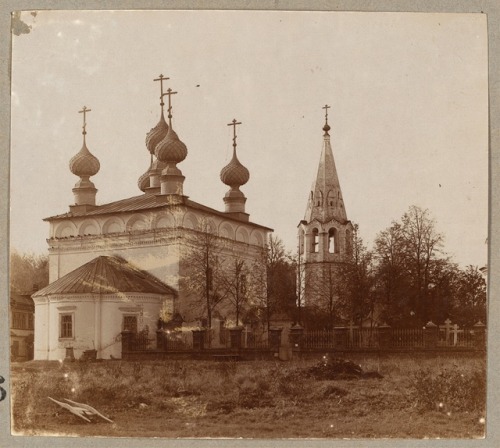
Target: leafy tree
[[355, 282], [411, 268], [28, 272], [470, 304]]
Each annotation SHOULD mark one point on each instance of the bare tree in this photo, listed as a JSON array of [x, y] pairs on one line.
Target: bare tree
[[204, 266]]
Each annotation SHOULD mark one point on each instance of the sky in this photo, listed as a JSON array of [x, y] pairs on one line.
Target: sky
[[409, 113]]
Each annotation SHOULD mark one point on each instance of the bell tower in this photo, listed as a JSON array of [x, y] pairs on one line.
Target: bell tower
[[325, 233]]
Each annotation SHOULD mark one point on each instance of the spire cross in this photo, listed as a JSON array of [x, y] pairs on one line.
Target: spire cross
[[161, 78], [326, 107], [84, 112], [234, 123], [169, 93]]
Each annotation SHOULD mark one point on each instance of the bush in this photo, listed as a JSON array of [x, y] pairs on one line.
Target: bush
[[449, 389]]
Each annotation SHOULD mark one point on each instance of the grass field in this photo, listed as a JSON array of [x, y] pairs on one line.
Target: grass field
[[416, 398]]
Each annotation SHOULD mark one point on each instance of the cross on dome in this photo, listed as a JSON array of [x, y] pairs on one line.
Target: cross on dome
[[170, 92], [84, 112], [326, 127], [161, 78], [234, 123]]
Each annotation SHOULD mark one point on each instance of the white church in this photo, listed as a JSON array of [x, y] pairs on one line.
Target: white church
[[124, 264]]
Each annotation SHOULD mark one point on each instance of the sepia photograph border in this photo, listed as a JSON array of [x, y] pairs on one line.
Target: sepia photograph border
[[489, 7]]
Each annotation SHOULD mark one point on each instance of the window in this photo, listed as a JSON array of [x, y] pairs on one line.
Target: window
[[66, 326], [315, 241], [30, 322], [130, 323]]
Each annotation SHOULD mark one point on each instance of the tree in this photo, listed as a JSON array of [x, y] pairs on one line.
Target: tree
[[470, 305], [276, 283], [236, 285], [204, 268], [28, 272], [413, 273], [356, 298]]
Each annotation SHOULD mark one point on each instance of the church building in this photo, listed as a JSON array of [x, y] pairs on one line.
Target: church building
[[325, 234], [125, 264]]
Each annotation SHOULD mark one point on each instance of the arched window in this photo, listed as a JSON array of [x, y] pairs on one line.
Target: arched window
[[332, 241], [315, 241]]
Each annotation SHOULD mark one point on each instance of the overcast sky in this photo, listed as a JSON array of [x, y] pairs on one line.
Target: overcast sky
[[408, 96]]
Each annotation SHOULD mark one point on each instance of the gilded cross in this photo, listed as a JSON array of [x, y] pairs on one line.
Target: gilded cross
[[234, 123], [161, 78], [84, 112], [169, 93]]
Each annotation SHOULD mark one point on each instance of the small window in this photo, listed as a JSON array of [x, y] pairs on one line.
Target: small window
[[66, 326], [130, 323]]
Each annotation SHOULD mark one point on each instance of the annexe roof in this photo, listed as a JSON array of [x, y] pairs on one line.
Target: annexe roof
[[145, 202], [106, 275]]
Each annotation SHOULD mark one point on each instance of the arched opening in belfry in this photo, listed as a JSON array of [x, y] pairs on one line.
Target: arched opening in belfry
[[332, 241], [315, 241]]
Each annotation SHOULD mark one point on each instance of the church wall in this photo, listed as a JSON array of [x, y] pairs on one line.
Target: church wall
[[97, 322], [41, 331]]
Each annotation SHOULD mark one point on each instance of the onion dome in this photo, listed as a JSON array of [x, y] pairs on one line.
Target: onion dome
[[84, 164], [156, 134], [234, 173], [143, 181], [171, 149]]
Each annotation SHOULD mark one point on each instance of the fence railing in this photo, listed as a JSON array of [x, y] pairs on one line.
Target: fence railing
[[382, 337]]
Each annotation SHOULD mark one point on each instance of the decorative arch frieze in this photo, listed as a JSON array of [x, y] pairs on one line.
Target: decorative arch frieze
[[113, 225], [138, 222], [164, 220], [226, 230], [66, 229], [242, 235], [89, 227]]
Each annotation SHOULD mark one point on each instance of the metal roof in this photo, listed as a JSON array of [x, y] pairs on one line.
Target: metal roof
[[106, 275], [147, 202]]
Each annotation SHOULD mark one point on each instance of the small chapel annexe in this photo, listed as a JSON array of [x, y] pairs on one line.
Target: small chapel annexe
[[125, 264]]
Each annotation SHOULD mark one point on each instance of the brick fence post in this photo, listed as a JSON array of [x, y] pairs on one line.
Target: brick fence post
[[198, 340], [431, 335], [480, 336], [126, 341], [235, 336], [160, 340], [295, 337], [275, 338], [384, 336]]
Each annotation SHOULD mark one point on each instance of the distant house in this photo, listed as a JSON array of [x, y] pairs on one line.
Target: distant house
[[22, 314]]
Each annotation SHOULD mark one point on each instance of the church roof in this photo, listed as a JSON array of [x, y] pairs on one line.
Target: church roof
[[106, 275], [140, 203]]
